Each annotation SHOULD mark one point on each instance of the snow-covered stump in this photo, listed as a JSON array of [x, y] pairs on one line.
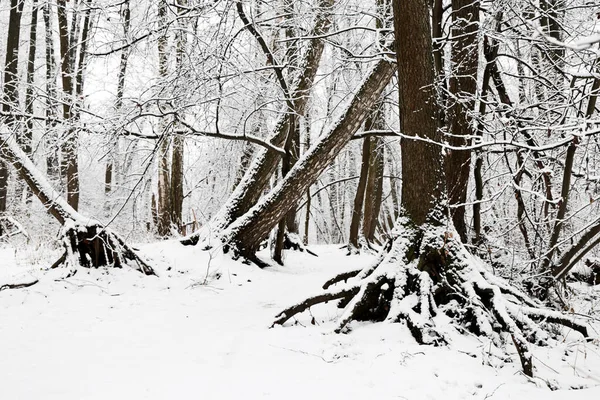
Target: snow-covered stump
[[92, 246], [424, 271], [86, 241]]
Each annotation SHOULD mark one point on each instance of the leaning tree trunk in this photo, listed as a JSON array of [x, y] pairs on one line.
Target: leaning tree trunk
[[246, 233], [258, 175], [86, 242], [425, 270]]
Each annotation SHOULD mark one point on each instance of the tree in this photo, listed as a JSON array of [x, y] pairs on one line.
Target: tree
[[425, 270]]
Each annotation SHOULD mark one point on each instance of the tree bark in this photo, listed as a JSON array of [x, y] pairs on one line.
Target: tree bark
[[422, 164]]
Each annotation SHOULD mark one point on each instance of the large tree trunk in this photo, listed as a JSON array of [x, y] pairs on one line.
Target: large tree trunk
[[246, 233], [463, 86], [422, 166]]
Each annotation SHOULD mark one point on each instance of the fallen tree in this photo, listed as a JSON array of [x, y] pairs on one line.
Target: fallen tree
[[86, 241]]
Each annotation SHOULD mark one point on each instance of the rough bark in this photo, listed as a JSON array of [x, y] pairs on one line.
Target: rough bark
[[374, 189], [421, 162], [29, 97]]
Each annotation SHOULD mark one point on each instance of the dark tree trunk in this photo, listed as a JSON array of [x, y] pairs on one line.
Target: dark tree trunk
[[10, 104], [292, 145], [377, 192], [463, 86], [422, 170], [177, 182]]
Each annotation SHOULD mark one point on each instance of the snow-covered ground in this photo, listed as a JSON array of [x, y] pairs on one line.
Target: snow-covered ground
[[116, 334]]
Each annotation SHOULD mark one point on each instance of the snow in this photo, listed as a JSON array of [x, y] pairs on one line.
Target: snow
[[119, 334]]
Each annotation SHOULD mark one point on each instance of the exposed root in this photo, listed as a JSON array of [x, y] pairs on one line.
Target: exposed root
[[426, 271], [18, 285], [344, 276], [93, 245], [288, 313]]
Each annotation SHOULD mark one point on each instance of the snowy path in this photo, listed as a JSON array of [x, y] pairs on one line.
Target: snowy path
[[124, 336]]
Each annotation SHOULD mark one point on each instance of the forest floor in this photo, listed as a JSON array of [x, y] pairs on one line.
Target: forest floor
[[116, 334]]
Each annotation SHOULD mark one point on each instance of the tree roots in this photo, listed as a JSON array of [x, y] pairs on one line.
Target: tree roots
[[426, 271], [92, 245]]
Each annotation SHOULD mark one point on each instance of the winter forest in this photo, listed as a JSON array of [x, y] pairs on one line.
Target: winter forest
[[302, 199]]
